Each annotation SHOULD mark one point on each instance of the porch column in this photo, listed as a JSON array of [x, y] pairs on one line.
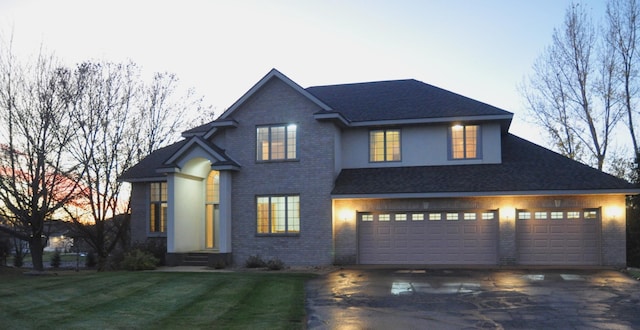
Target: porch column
[[225, 212], [507, 247], [171, 210]]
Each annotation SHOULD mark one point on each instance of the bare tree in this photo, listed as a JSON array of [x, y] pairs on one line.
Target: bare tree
[[164, 111], [549, 106], [37, 180], [571, 93], [622, 36], [107, 139]]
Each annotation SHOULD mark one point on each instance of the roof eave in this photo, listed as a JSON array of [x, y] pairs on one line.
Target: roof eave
[[336, 117], [413, 121], [488, 194], [212, 127], [166, 170], [194, 141], [217, 125], [226, 167], [143, 179]]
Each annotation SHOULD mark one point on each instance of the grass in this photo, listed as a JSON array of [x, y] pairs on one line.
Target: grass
[[153, 300], [634, 272]]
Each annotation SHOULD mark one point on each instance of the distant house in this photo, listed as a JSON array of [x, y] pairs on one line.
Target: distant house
[[390, 172]]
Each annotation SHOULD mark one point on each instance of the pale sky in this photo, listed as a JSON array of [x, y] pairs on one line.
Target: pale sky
[[481, 49]]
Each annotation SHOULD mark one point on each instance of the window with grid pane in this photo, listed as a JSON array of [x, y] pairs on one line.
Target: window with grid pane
[[276, 142], [278, 214], [465, 142], [384, 145], [158, 207]]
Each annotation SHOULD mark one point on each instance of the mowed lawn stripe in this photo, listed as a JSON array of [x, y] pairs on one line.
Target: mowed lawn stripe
[[140, 303], [64, 296], [270, 304], [224, 293]]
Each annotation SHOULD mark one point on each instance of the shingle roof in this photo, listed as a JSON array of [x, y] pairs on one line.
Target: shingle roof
[[399, 99], [525, 167], [198, 129], [146, 168]]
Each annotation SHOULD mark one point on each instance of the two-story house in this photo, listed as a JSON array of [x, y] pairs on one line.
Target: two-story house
[[390, 172]]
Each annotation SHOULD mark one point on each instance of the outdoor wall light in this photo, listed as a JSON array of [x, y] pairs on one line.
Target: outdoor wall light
[[612, 212], [344, 215], [508, 213]]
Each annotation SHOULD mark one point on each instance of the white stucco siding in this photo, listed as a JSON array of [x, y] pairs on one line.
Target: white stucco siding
[[420, 146], [188, 219], [491, 144]]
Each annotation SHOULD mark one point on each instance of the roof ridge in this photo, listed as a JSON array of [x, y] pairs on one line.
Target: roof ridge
[[365, 83]]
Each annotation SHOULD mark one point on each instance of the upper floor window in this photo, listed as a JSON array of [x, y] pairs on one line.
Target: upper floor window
[[465, 142], [158, 208], [384, 145], [276, 142]]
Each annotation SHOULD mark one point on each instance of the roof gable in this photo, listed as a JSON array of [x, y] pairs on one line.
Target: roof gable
[[158, 163], [273, 74], [145, 170], [400, 100], [196, 141]]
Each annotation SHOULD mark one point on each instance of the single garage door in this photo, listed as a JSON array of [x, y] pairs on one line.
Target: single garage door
[[559, 237], [442, 238]]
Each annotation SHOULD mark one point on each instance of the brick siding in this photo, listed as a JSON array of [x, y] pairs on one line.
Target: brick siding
[[311, 177]]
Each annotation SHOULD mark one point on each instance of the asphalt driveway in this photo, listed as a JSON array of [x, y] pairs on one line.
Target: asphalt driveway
[[471, 299]]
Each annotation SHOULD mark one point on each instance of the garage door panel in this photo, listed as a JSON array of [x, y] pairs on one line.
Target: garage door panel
[[558, 229], [570, 244], [400, 244], [471, 229], [541, 228], [525, 228], [435, 231], [590, 229], [453, 229], [383, 230], [428, 241], [573, 229], [558, 241], [484, 229], [451, 244], [541, 243], [366, 230]]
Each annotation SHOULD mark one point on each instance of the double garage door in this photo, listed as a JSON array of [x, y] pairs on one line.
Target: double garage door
[[428, 238], [554, 237], [543, 237]]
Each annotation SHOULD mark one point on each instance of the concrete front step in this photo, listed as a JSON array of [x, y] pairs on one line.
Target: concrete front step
[[203, 259], [195, 259]]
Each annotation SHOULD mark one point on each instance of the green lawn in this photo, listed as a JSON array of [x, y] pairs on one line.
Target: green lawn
[[153, 300]]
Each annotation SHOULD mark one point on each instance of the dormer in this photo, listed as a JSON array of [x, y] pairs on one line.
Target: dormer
[[410, 123]]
